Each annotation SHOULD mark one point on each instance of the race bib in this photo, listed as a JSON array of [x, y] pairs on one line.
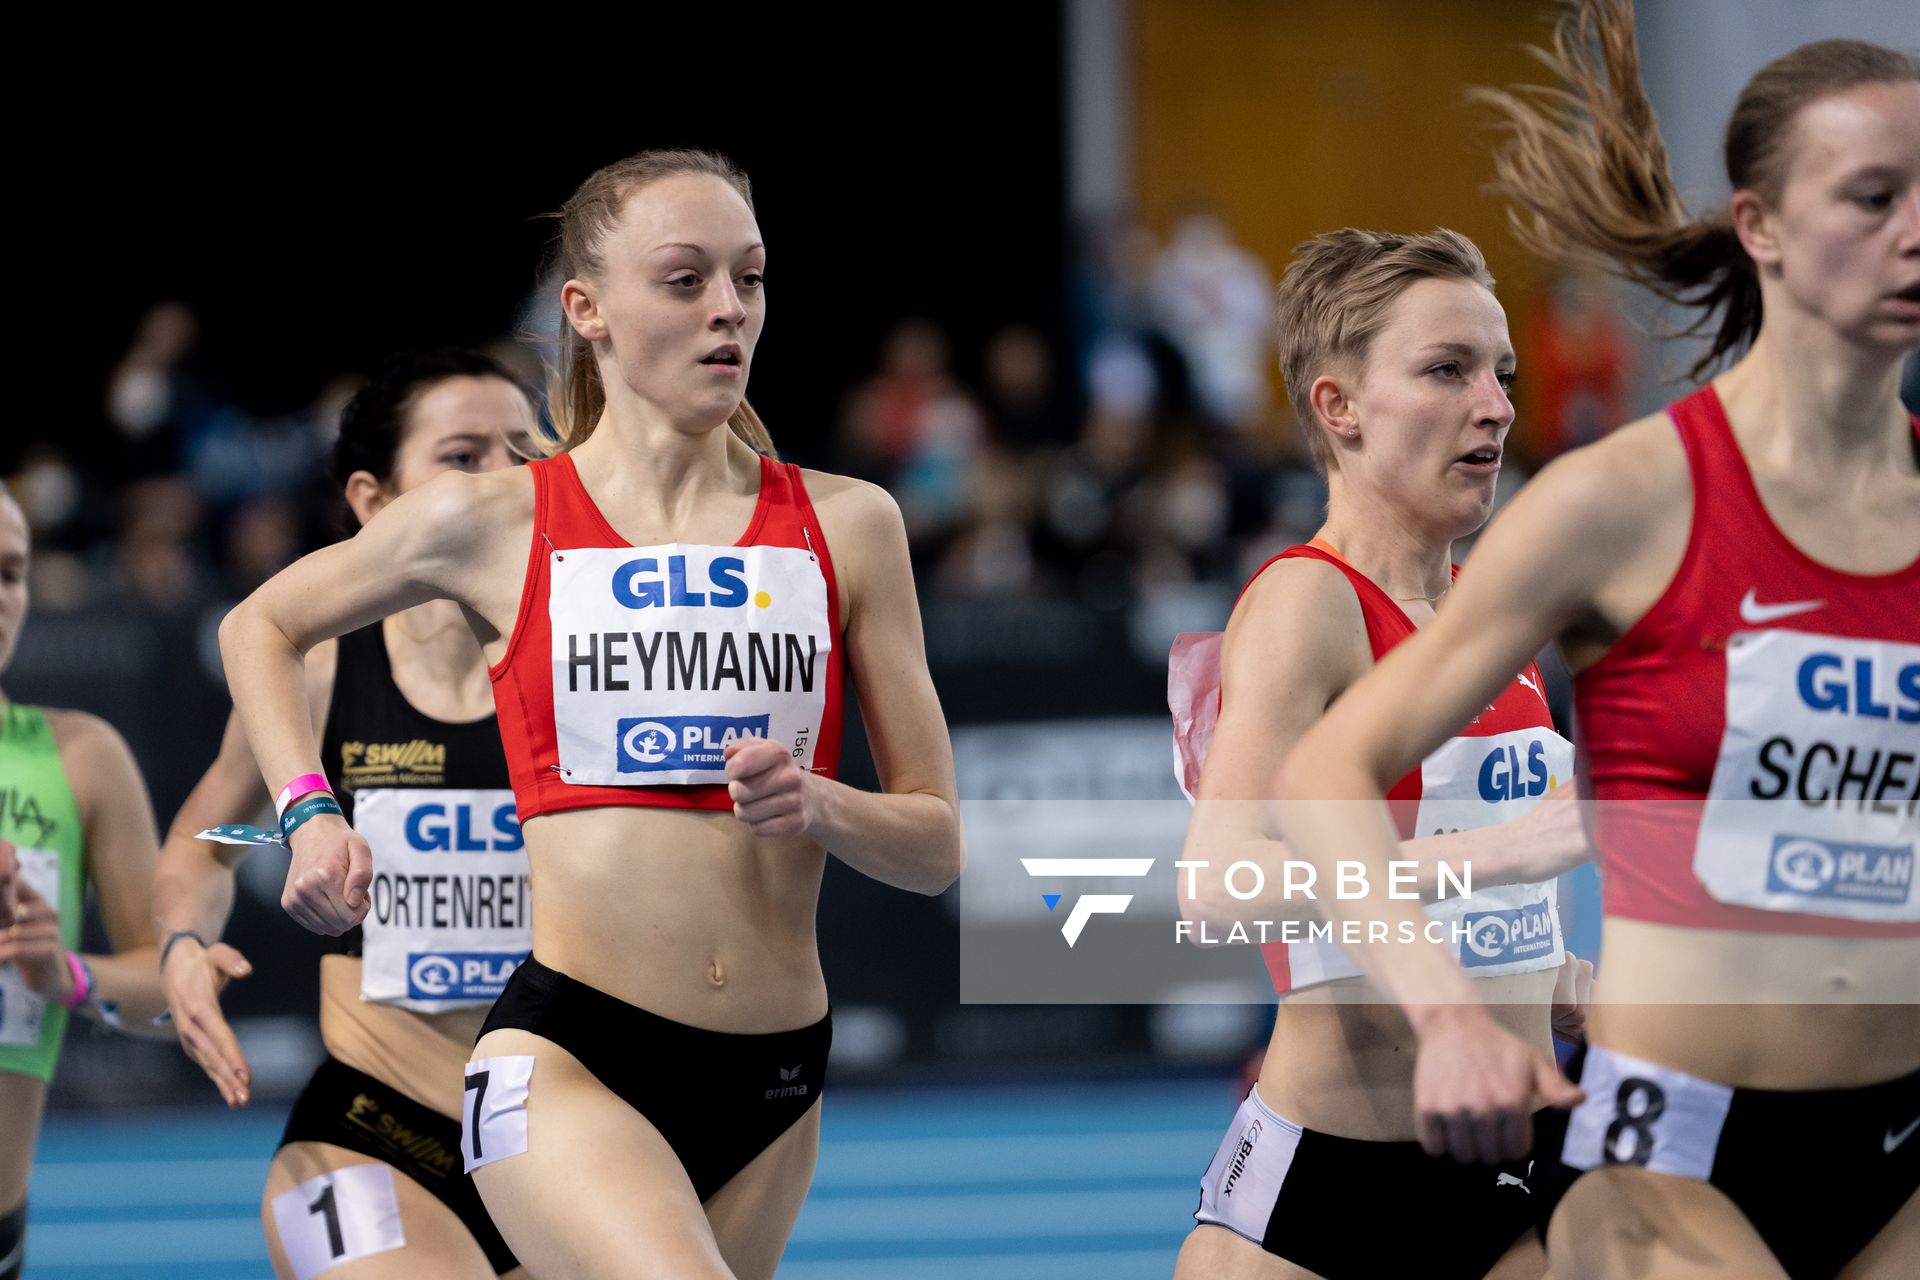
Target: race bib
[[1474, 782], [1815, 801], [331, 1220], [450, 919], [493, 1112], [662, 655], [21, 1011]]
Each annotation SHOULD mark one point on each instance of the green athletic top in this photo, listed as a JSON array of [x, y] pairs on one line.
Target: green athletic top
[[39, 815]]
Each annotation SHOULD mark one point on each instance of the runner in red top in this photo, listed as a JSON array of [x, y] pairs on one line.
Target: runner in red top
[[1736, 583], [666, 612], [1396, 357]]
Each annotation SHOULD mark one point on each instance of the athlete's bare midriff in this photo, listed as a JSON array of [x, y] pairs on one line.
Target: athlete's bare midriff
[[420, 1054], [684, 913], [1837, 1012], [1344, 1066]]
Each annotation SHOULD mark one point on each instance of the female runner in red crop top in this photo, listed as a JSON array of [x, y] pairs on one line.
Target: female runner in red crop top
[[666, 611], [1396, 357], [1736, 584]]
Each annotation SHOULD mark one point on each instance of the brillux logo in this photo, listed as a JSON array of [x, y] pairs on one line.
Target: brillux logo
[[1091, 904]]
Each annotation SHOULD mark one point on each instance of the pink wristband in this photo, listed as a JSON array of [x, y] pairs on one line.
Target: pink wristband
[[82, 985], [304, 785]]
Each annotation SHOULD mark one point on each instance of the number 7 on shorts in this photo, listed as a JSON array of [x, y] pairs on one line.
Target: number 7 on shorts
[[493, 1121]]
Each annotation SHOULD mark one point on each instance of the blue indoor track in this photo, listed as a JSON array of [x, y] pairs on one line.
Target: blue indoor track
[[941, 1184]]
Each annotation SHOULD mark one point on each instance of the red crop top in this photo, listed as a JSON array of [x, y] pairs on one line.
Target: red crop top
[[630, 668]]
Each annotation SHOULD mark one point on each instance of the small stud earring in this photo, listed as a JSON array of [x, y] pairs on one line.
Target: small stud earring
[[1352, 432]]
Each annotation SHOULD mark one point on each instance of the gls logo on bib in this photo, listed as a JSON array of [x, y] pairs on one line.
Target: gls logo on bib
[[1845, 684], [431, 828], [647, 745], [634, 588], [1503, 775]]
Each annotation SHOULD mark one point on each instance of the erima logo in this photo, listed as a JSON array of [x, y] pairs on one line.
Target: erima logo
[[790, 1090], [1092, 904]]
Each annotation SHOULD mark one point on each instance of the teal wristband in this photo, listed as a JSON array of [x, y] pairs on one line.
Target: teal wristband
[[311, 807]]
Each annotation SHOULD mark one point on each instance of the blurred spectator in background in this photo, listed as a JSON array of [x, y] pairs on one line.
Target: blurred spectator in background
[[991, 552], [1022, 402], [151, 397], [1577, 382], [1089, 484], [50, 494], [156, 562], [234, 456], [1187, 512], [912, 428], [1215, 300], [1136, 478], [1127, 364], [263, 537]]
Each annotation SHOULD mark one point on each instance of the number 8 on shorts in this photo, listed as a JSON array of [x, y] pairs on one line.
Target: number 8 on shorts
[[1640, 1113]]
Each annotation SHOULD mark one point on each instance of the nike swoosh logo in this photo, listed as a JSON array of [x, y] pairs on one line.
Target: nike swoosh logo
[[12, 1258], [1891, 1143], [1751, 610]]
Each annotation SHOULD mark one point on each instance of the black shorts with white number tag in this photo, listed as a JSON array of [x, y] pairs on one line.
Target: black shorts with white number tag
[[1817, 1172], [719, 1098], [348, 1108], [1347, 1209]]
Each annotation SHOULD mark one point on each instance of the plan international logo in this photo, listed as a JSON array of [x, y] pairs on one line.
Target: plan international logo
[[649, 744]]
